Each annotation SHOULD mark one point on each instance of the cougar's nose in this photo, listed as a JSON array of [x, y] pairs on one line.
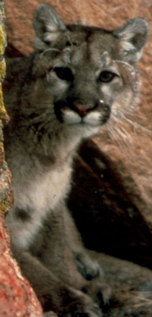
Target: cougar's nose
[[82, 110]]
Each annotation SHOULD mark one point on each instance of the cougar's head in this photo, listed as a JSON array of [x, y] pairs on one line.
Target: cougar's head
[[85, 73]]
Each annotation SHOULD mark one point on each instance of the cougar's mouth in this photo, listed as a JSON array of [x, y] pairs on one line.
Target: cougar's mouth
[[82, 114]]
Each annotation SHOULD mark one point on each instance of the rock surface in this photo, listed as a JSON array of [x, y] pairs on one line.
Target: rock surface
[[17, 298]]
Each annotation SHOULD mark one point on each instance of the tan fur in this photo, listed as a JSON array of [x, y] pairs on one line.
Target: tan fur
[[59, 95]]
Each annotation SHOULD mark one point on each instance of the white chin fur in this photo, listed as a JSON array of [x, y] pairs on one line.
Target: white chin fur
[[71, 117], [92, 118]]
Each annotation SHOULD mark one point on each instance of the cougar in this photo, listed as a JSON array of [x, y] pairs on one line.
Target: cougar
[[65, 91]]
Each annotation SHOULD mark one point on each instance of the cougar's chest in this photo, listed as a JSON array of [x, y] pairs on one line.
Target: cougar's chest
[[43, 191], [53, 186], [36, 198]]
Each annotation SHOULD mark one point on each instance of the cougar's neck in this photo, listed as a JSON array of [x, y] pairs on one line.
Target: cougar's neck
[[51, 148]]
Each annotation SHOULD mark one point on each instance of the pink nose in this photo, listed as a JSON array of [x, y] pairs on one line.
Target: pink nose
[[82, 109]]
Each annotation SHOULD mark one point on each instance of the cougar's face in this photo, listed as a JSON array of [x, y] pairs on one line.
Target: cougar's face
[[83, 82]]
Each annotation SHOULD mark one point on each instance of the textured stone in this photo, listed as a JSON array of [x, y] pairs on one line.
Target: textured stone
[[17, 298], [4, 173]]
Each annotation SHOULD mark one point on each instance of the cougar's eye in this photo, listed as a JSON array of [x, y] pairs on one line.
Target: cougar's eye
[[64, 73], [106, 76]]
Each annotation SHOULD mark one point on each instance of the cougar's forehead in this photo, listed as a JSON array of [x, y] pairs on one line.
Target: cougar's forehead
[[98, 50]]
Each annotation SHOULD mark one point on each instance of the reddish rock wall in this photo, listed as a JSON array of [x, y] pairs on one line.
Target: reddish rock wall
[[17, 298]]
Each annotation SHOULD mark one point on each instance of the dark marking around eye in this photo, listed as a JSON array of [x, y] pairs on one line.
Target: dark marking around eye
[[64, 73], [106, 76]]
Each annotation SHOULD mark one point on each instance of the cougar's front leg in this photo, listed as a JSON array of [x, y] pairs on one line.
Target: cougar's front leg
[[88, 268], [42, 257], [51, 291]]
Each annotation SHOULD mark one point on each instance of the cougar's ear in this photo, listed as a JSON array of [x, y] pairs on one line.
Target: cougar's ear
[[133, 36], [47, 25]]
